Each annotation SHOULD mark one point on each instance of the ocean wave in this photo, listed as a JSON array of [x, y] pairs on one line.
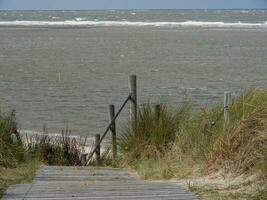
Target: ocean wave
[[79, 19], [130, 23]]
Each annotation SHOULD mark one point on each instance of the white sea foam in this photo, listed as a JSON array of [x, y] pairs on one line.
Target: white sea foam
[[30, 133], [129, 23], [245, 11], [86, 145], [155, 70], [79, 19]]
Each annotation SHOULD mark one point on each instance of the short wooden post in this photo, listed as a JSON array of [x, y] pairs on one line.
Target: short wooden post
[[113, 132], [227, 105], [97, 151], [83, 159], [157, 111], [133, 90]]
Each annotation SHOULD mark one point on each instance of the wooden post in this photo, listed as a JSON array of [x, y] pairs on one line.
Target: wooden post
[[133, 109], [157, 111], [113, 131], [83, 159], [97, 152], [227, 105]]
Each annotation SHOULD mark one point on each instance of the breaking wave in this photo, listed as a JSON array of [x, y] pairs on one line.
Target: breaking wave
[[130, 23]]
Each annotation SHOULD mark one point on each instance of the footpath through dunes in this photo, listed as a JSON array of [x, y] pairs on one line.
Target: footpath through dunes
[[94, 183]]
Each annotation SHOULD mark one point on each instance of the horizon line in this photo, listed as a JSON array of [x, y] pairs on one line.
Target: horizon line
[[138, 9]]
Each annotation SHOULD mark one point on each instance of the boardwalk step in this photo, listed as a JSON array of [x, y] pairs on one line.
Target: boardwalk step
[[59, 183]]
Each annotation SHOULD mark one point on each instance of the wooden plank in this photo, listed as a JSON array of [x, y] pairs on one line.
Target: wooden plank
[[56, 183]]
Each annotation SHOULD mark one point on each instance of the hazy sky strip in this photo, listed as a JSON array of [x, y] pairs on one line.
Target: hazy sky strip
[[129, 4]]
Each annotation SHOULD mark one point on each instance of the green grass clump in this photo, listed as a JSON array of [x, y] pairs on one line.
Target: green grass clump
[[151, 136], [198, 134], [11, 153]]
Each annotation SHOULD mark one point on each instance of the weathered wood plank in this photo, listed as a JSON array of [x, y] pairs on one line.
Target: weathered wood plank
[[56, 183]]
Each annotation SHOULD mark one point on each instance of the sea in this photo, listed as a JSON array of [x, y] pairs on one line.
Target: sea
[[63, 69]]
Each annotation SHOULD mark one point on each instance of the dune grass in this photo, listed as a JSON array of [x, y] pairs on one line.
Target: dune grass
[[182, 143], [16, 163], [239, 147], [62, 150], [179, 143], [11, 153], [151, 136]]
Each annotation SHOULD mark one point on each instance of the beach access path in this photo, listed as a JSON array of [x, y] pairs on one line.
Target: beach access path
[[54, 183]]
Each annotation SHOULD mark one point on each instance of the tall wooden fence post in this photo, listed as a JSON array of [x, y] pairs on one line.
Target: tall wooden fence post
[[227, 105], [113, 131], [97, 152], [157, 111], [133, 90]]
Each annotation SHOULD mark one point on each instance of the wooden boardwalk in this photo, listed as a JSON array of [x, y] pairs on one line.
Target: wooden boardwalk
[[56, 183]]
